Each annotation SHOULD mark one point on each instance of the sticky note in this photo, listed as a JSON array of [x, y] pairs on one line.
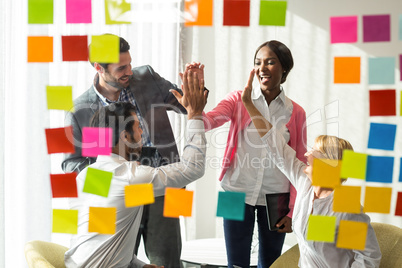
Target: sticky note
[[273, 13], [377, 199], [138, 194], [400, 171], [74, 48], [352, 235], [78, 11], [105, 49], [231, 205], [117, 12], [60, 140], [96, 141], [400, 112], [60, 98], [321, 228], [347, 199], [383, 102], [382, 71], [97, 182], [326, 173], [400, 27], [40, 11], [353, 165], [343, 29], [382, 136], [64, 185], [198, 12], [102, 220], [379, 169], [236, 12], [40, 49], [398, 208], [376, 28], [346, 70], [400, 67], [178, 202], [65, 221]]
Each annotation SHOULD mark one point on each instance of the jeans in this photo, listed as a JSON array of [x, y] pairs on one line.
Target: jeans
[[239, 235]]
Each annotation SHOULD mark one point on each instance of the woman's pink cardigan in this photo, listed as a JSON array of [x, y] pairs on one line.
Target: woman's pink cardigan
[[232, 109]]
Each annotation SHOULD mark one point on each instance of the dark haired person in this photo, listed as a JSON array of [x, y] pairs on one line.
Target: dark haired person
[[150, 95], [246, 166], [89, 249]]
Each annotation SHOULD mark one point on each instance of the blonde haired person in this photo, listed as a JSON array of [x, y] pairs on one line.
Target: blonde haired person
[[313, 200]]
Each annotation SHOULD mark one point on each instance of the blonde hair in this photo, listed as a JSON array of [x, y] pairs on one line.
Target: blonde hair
[[332, 147]]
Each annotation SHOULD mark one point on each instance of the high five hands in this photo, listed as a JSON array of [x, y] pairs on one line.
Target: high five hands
[[246, 95]]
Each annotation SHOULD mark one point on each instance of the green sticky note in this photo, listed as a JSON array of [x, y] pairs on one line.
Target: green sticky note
[[231, 205], [353, 165], [97, 182], [273, 13], [60, 98], [65, 221], [105, 49], [40, 11], [117, 12], [321, 228]]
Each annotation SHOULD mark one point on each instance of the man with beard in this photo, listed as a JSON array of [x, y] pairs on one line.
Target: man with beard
[[149, 93]]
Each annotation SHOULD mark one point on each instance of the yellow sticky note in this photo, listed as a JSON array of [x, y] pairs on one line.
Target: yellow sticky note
[[104, 49], [60, 98], [139, 194], [65, 221], [347, 70], [352, 235], [198, 12], [40, 49], [321, 228], [102, 220], [347, 199], [353, 165], [178, 202], [377, 199], [326, 173]]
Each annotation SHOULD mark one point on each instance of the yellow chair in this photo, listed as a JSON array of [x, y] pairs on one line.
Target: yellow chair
[[389, 238], [41, 254]]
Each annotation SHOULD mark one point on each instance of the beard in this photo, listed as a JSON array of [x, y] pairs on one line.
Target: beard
[[112, 81]]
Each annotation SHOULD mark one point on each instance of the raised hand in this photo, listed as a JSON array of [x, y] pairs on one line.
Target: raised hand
[[195, 67], [246, 95]]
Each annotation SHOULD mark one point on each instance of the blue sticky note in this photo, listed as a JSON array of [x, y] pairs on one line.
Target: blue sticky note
[[231, 205], [379, 168], [400, 171], [382, 71], [400, 27], [382, 136]]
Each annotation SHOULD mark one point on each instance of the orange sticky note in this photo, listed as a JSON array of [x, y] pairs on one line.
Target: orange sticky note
[[65, 221], [198, 12], [347, 199], [40, 49], [377, 199], [139, 194], [326, 173], [346, 70], [102, 220], [352, 235], [178, 202], [60, 140], [321, 228]]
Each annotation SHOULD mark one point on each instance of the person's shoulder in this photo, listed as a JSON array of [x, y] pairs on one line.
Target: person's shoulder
[[142, 70], [88, 96], [296, 107]]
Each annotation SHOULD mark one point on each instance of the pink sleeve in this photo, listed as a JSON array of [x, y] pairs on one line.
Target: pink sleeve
[[221, 114]]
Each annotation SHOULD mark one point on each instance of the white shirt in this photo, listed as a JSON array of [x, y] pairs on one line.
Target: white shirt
[[318, 254], [117, 250], [253, 171]]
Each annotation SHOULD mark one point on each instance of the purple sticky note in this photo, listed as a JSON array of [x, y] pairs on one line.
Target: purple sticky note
[[344, 29], [96, 141], [400, 67], [376, 28], [78, 11]]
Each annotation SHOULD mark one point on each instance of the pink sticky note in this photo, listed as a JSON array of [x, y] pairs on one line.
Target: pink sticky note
[[96, 141], [343, 29], [78, 11], [400, 66]]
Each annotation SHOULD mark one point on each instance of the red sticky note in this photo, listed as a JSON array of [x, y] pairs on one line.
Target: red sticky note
[[178, 202], [398, 210], [75, 48], [96, 141], [40, 49], [344, 29], [64, 185], [60, 140], [236, 12], [198, 12], [78, 11], [383, 102]]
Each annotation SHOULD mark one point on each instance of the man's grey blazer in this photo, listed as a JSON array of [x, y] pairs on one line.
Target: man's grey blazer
[[153, 98]]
